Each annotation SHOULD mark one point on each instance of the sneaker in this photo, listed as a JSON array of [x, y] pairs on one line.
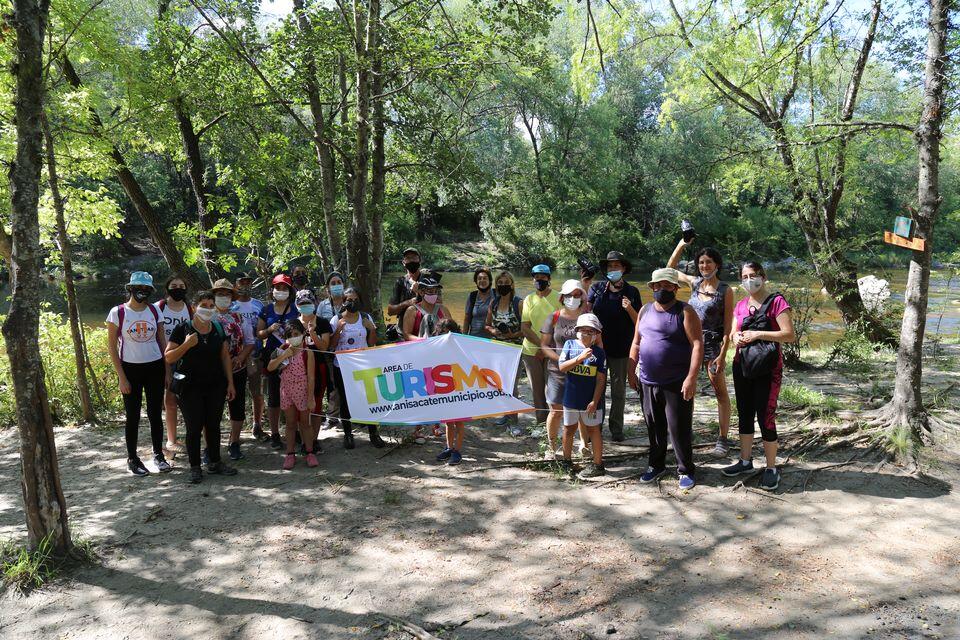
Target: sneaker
[[258, 433], [205, 457], [445, 454], [420, 440], [592, 471], [687, 482], [501, 421], [586, 452], [722, 448], [312, 460], [738, 467], [175, 448], [455, 457], [377, 441], [136, 467], [234, 451], [220, 469], [275, 441], [196, 475], [651, 474], [516, 431], [770, 479], [289, 461], [162, 465], [348, 442]]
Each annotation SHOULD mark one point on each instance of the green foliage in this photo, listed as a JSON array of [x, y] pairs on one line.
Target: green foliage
[[796, 397], [25, 570], [806, 303]]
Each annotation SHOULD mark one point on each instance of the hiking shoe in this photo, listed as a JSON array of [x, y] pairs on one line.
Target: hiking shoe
[[687, 482], [722, 448], [196, 475], [348, 442], [258, 433], [515, 430], [770, 479], [205, 456], [592, 470], [651, 474], [445, 454], [377, 441], [275, 441], [175, 447], [234, 451], [501, 421], [738, 467], [220, 469], [455, 457], [162, 465], [136, 467], [289, 461], [312, 460]]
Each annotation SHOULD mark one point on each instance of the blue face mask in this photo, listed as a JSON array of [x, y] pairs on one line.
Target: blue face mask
[[336, 290], [614, 276], [307, 309]]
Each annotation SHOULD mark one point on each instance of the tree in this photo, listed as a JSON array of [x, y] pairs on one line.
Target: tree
[[44, 502]]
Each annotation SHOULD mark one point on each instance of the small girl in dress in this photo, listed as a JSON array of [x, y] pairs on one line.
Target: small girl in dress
[[297, 371]]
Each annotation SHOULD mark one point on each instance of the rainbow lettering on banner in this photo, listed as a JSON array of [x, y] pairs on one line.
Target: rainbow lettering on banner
[[395, 382]]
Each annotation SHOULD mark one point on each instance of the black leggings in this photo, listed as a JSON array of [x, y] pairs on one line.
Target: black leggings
[[757, 399], [238, 404], [145, 378], [667, 414], [344, 407], [202, 409]]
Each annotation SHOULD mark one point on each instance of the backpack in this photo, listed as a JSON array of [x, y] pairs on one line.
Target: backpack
[[418, 319], [122, 311], [163, 303], [759, 358]]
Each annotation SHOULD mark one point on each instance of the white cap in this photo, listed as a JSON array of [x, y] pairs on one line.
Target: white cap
[[570, 286], [589, 320]]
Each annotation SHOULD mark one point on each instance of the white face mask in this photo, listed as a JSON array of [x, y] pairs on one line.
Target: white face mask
[[572, 303], [708, 274], [223, 302], [205, 313], [585, 338], [752, 284], [280, 294], [295, 341]]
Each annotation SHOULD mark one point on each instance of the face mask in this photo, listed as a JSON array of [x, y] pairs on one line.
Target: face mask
[[708, 274], [431, 298], [504, 289], [413, 267], [280, 294], [177, 294], [336, 290], [244, 292], [572, 303], [585, 338], [350, 305], [664, 296], [483, 289], [614, 276], [205, 313], [223, 302], [542, 285], [140, 296], [300, 280], [752, 285], [308, 309], [295, 341]]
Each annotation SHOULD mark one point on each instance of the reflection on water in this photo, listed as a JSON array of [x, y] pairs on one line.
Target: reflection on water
[[97, 296]]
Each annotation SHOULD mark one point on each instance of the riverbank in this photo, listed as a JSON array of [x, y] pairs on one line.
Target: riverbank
[[846, 548]]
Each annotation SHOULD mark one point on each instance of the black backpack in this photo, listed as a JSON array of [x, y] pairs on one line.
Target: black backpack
[[759, 358]]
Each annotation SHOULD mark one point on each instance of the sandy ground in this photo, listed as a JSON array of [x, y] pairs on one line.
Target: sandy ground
[[855, 551]]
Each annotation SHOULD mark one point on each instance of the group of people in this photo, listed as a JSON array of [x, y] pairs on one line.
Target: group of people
[[596, 330]]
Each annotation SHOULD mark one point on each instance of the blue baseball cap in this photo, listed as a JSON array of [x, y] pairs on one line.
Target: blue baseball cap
[[141, 279], [540, 268]]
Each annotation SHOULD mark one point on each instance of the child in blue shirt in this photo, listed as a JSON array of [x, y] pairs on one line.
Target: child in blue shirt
[[585, 366]]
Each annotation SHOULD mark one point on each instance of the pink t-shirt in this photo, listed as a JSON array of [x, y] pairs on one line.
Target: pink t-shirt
[[746, 306]]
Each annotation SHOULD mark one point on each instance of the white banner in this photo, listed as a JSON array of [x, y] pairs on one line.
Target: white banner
[[448, 378]]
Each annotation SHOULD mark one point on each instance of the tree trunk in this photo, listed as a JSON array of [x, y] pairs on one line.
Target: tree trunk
[[128, 181], [378, 187], [195, 172], [44, 504], [66, 253], [906, 409]]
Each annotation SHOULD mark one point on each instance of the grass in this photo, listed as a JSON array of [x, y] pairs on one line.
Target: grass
[[392, 497], [797, 397], [26, 570]]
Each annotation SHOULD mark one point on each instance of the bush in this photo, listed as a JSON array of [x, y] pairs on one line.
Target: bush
[[60, 372], [806, 303]]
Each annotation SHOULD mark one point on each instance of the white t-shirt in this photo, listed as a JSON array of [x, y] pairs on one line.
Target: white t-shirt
[[137, 338], [171, 318], [353, 336], [248, 312]]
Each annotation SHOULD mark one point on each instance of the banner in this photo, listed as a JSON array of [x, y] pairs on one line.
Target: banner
[[448, 378]]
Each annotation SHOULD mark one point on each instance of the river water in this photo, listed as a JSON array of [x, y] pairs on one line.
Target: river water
[[97, 296]]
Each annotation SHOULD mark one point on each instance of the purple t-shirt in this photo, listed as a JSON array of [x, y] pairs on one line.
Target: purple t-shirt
[[746, 307], [664, 348]]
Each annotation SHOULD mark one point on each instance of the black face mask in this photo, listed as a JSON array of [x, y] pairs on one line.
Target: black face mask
[[504, 289], [300, 280], [177, 294], [141, 296], [350, 305], [542, 285], [664, 296], [413, 267]]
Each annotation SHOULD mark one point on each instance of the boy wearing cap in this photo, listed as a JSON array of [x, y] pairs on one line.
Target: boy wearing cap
[[665, 359], [537, 307], [585, 365]]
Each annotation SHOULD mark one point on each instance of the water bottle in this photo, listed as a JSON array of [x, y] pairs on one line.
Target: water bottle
[[688, 231]]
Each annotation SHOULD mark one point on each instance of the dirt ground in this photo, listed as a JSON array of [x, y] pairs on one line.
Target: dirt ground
[[853, 551]]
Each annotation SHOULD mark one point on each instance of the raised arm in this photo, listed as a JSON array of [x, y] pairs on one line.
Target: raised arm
[[675, 260]]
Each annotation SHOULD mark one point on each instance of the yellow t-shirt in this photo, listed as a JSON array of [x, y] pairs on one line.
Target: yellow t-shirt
[[536, 309]]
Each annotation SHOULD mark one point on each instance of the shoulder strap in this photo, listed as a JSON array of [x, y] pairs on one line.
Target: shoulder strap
[[219, 329], [190, 311], [762, 311], [159, 331], [121, 312], [162, 303], [472, 299], [516, 307], [556, 316]]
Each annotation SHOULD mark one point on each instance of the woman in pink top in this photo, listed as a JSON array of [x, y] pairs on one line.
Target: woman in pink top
[[757, 396]]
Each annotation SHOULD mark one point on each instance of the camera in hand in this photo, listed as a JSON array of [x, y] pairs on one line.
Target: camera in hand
[[587, 267], [688, 231], [503, 327]]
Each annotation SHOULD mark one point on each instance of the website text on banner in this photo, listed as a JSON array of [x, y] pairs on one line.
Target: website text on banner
[[448, 378]]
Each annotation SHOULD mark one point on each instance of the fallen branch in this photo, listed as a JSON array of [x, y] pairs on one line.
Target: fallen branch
[[765, 494], [416, 631]]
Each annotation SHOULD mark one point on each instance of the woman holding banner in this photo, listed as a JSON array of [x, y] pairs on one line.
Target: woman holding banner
[[503, 323], [352, 330]]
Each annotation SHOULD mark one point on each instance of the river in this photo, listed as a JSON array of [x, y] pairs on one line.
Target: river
[[97, 296]]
